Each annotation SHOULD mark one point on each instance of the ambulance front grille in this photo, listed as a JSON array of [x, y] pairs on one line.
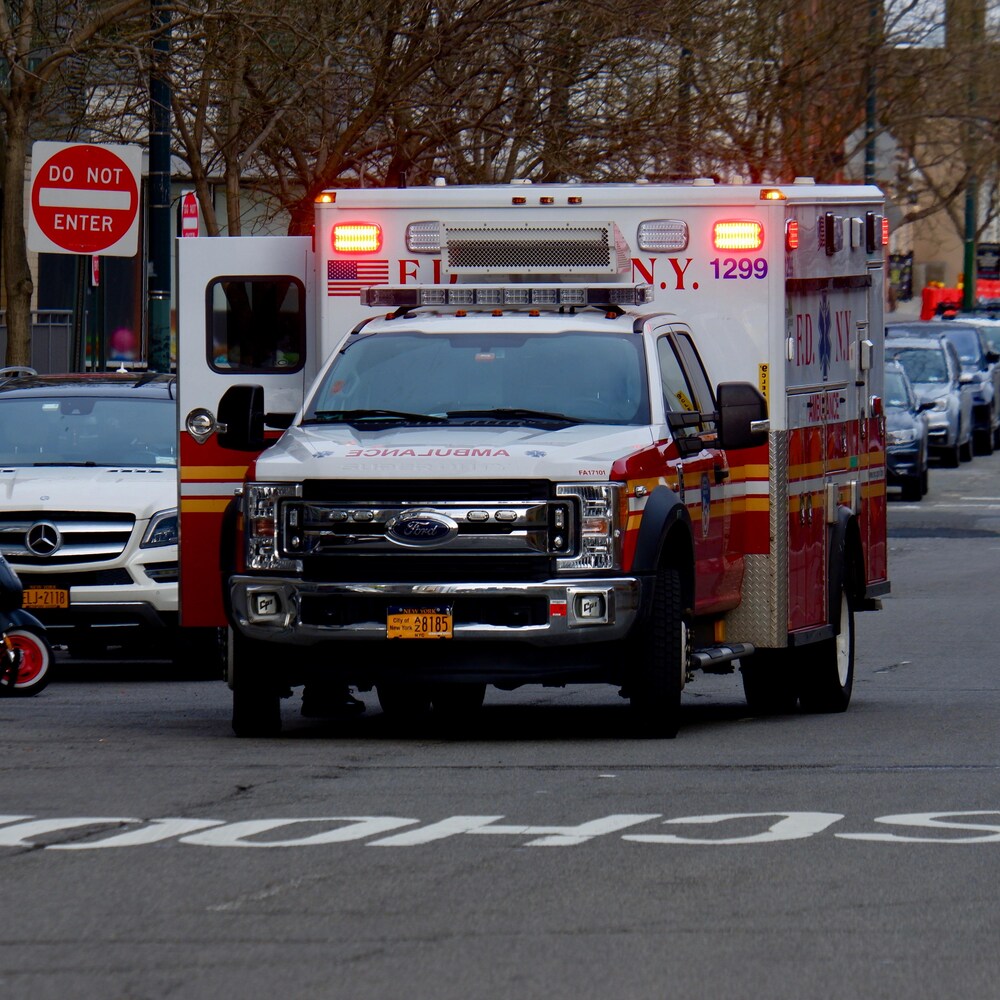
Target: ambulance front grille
[[555, 249]]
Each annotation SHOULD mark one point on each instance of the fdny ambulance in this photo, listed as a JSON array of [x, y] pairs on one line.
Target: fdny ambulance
[[505, 435]]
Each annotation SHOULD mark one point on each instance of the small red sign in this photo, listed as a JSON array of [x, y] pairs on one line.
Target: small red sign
[[189, 214]]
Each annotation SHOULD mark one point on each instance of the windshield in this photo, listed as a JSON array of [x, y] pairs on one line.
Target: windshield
[[87, 430], [580, 377], [923, 364], [895, 390], [967, 344]]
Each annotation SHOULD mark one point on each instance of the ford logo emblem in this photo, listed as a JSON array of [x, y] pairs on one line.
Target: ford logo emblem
[[421, 529]]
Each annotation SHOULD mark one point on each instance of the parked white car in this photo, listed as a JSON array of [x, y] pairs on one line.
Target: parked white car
[[88, 506]]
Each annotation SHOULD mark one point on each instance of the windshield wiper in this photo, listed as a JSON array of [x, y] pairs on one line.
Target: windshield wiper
[[349, 416], [520, 413]]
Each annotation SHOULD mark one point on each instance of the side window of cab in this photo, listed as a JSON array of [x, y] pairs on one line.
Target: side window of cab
[[686, 389]]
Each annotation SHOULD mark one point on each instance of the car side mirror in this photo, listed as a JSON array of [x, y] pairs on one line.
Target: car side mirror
[[992, 357], [743, 419], [241, 418], [927, 404]]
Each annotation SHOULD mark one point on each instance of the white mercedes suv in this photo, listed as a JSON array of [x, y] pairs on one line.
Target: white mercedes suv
[[88, 506]]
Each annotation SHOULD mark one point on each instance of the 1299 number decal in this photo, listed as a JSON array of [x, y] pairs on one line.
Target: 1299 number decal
[[744, 267]]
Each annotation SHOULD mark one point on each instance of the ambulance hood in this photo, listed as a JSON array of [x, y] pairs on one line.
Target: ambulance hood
[[141, 492], [582, 452]]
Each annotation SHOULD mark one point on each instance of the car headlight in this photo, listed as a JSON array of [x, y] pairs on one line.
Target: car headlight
[[901, 437], [260, 522], [162, 530], [941, 404]]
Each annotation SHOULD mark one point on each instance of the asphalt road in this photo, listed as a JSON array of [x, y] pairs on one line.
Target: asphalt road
[[147, 853]]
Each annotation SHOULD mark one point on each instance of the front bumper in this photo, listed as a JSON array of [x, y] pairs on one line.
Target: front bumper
[[902, 462], [548, 613]]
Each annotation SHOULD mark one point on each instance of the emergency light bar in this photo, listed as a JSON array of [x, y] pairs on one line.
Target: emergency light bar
[[496, 296]]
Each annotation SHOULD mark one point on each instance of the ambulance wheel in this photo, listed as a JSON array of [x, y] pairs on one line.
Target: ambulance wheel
[[256, 695], [34, 668], [769, 682], [457, 701], [827, 678], [656, 676], [404, 702]]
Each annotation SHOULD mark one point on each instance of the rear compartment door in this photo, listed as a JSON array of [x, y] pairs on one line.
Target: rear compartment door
[[243, 318]]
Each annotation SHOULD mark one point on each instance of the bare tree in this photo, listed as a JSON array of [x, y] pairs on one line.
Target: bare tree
[[38, 38]]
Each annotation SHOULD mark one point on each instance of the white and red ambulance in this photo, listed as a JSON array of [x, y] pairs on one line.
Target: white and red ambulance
[[502, 435]]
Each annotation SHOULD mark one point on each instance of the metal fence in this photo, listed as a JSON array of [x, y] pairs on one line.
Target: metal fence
[[51, 339]]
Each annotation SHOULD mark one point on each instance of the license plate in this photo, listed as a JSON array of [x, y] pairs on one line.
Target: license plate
[[46, 597], [419, 623]]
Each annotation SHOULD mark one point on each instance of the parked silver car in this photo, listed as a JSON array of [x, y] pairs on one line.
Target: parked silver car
[[906, 433], [978, 360], [935, 371]]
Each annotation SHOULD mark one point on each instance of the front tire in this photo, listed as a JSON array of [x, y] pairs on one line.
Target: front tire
[[828, 675], [34, 670], [912, 488], [256, 695], [660, 652]]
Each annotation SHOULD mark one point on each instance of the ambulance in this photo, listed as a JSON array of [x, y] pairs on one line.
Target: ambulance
[[538, 434]]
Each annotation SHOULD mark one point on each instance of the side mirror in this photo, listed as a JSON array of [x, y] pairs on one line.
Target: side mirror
[[241, 418], [927, 404], [992, 357], [742, 416]]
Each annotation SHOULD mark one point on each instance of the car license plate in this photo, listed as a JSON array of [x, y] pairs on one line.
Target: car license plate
[[46, 597], [419, 623]]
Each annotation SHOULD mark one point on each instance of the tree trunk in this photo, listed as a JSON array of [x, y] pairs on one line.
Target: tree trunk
[[17, 274]]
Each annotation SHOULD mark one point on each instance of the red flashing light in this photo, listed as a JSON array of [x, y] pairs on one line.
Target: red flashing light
[[791, 235], [885, 230], [738, 235], [357, 237]]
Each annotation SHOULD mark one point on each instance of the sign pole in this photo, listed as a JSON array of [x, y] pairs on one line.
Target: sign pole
[[159, 194]]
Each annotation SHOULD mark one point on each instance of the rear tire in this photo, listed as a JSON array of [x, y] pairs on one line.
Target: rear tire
[[457, 701], [769, 682], [256, 694], [827, 677], [404, 702], [984, 442], [34, 670], [660, 653]]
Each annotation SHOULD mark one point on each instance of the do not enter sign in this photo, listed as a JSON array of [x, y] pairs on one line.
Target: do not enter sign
[[84, 199]]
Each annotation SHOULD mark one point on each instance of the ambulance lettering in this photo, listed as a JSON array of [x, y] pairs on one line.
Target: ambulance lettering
[[428, 453], [805, 351], [842, 318], [823, 406], [640, 272]]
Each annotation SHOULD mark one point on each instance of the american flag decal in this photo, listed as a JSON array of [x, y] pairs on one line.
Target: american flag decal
[[349, 277]]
